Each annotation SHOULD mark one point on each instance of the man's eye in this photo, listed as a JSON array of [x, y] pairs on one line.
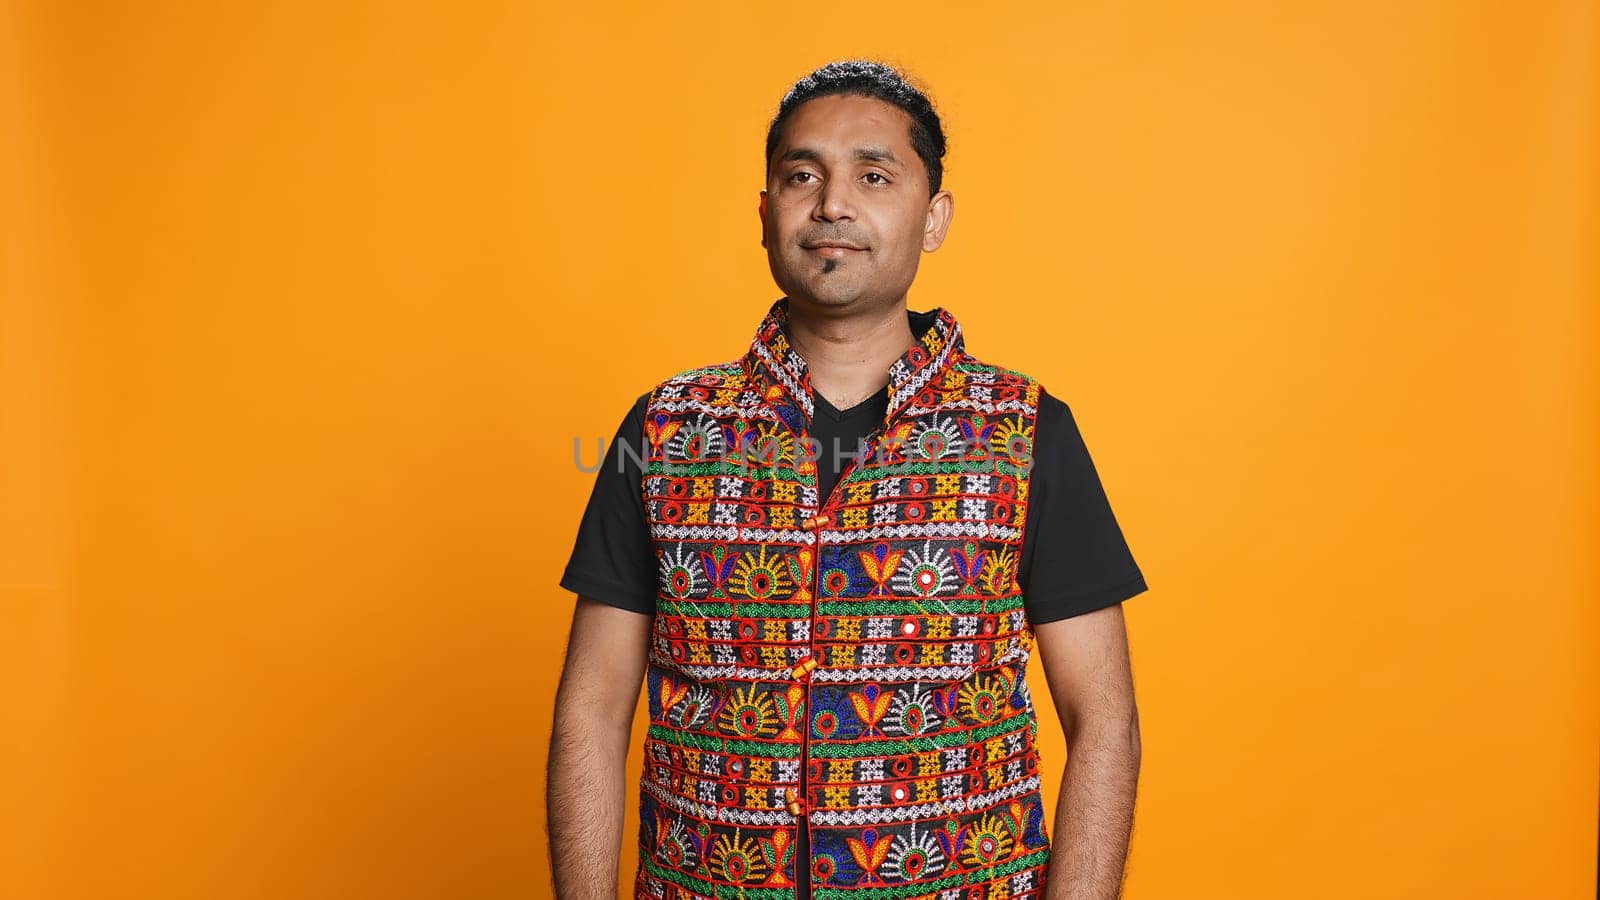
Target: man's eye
[[879, 176], [799, 174]]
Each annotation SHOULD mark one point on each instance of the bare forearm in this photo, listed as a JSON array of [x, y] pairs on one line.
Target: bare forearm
[[584, 803], [1094, 817]]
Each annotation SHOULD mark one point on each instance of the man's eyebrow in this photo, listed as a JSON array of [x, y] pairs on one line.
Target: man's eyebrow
[[872, 153], [875, 154]]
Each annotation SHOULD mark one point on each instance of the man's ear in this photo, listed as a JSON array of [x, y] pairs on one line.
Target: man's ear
[[941, 207], [761, 211]]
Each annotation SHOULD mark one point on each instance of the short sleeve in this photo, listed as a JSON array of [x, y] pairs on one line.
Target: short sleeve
[[1074, 557], [612, 559]]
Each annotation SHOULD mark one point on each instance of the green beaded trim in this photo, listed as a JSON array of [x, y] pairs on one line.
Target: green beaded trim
[[760, 749]]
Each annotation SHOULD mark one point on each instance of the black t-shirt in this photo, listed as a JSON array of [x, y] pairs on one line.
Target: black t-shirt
[[1085, 565]]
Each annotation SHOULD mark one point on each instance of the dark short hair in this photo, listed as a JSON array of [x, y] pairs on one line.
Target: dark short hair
[[865, 78]]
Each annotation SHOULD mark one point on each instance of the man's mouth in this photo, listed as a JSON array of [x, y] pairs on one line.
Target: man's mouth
[[833, 250]]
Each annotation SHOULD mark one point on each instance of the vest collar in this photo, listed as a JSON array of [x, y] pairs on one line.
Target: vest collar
[[786, 383]]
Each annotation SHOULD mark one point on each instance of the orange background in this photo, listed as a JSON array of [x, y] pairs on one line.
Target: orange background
[[286, 286]]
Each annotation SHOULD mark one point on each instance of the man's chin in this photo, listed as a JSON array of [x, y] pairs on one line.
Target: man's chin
[[835, 292], [834, 289]]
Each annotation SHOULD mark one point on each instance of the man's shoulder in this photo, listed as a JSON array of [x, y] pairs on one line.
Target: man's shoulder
[[1014, 384]]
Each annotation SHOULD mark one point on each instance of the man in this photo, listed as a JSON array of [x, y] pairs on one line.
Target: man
[[829, 560]]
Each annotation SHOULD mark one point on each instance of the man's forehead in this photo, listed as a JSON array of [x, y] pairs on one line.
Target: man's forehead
[[847, 125]]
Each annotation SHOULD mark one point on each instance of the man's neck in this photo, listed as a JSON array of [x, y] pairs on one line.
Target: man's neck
[[848, 356]]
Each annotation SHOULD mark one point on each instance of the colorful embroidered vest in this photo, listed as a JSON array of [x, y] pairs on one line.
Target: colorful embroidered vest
[[854, 664]]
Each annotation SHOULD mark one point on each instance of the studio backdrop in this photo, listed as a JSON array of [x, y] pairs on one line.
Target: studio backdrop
[[286, 291]]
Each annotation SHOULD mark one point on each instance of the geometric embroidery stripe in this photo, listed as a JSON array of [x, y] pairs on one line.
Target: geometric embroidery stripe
[[888, 815]]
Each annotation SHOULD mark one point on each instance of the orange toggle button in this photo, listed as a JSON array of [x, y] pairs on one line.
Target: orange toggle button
[[796, 807], [804, 667], [814, 521]]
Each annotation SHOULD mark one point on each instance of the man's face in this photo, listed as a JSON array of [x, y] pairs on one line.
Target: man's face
[[844, 173]]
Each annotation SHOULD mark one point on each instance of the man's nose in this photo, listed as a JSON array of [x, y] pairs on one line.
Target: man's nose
[[834, 201]]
